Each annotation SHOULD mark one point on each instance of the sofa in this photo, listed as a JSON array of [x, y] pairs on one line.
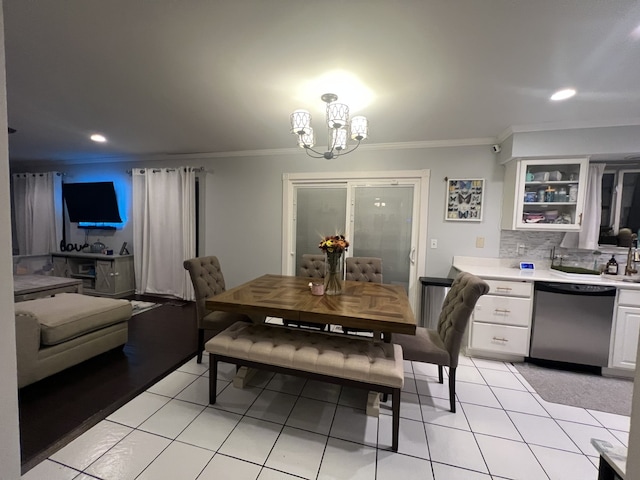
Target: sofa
[[57, 332]]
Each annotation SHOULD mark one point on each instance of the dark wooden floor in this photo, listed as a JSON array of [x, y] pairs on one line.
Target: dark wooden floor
[[59, 408]]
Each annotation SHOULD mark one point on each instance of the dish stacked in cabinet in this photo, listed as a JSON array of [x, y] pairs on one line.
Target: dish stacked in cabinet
[[626, 327], [545, 194], [501, 320]]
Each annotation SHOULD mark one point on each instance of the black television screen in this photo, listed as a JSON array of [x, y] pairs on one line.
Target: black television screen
[[93, 202]]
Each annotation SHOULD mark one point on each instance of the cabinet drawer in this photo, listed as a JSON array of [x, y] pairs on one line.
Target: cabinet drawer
[[629, 297], [504, 310], [500, 338], [512, 289]]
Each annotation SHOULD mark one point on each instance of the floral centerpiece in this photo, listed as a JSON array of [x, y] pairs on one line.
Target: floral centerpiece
[[333, 247]]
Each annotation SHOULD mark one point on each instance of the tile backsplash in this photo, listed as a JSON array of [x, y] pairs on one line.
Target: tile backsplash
[[538, 245]]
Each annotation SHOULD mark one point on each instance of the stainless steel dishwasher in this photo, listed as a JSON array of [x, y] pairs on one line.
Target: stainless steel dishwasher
[[572, 323]]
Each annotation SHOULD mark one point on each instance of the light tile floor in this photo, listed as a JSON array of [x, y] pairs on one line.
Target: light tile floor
[[283, 427]]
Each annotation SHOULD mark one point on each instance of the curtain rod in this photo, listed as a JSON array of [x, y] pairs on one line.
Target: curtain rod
[[169, 169], [34, 174]]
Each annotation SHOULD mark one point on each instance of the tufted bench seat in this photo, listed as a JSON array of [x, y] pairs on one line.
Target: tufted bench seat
[[321, 356]]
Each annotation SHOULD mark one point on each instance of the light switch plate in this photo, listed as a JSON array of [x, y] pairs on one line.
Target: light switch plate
[[527, 266]]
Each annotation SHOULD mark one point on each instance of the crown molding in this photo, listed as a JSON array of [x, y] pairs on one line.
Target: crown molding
[[465, 142], [543, 127]]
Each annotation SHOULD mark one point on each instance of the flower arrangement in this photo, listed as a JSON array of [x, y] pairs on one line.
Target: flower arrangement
[[333, 246], [334, 243]]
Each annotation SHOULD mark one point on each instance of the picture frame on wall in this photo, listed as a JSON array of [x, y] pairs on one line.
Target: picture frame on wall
[[465, 198]]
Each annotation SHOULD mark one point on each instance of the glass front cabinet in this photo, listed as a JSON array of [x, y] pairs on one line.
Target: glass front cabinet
[[544, 194]]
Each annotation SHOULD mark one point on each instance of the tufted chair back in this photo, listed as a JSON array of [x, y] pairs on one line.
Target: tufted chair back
[[312, 266], [457, 307], [207, 280], [364, 269], [442, 345]]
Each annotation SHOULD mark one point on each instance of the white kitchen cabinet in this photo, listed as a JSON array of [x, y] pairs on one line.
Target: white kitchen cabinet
[[501, 320], [544, 194], [625, 330], [103, 275]]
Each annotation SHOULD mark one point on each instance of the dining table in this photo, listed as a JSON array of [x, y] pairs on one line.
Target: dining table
[[383, 309], [376, 307]]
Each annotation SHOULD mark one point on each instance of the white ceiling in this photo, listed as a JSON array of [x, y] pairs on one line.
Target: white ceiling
[[206, 76]]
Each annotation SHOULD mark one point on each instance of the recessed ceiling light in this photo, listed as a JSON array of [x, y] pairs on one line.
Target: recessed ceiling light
[[96, 137], [563, 94]]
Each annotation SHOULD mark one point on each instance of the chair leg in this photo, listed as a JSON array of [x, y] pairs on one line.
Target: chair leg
[[213, 378], [452, 388], [395, 419], [440, 379], [200, 344]]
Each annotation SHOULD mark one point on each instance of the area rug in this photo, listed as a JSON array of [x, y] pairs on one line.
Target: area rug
[[586, 390], [139, 307]]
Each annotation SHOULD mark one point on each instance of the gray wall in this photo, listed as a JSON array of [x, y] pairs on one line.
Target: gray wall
[[9, 433], [243, 202]]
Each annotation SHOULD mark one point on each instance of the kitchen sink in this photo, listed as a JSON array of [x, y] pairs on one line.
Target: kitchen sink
[[574, 272]]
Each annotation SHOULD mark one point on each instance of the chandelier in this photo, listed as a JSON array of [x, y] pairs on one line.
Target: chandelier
[[338, 125]]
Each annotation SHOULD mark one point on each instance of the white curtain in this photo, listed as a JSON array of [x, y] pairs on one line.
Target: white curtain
[[163, 229], [37, 202], [587, 237]]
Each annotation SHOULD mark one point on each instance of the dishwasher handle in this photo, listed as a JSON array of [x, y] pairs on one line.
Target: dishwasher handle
[[576, 289]]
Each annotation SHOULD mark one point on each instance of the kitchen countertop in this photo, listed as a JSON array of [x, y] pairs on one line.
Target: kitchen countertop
[[503, 269]]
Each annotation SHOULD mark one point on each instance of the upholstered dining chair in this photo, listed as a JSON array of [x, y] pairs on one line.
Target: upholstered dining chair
[[312, 266], [208, 281], [362, 269], [441, 346]]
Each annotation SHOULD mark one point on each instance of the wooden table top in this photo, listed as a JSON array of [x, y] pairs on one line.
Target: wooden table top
[[371, 306]]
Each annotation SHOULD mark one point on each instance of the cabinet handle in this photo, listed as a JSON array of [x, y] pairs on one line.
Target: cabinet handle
[[580, 219], [496, 339], [506, 289], [502, 310]]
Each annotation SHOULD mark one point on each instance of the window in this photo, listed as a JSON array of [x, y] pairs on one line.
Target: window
[[620, 203]]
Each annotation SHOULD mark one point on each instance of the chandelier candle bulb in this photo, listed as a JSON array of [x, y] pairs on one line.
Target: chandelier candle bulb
[[300, 122], [337, 115], [359, 128]]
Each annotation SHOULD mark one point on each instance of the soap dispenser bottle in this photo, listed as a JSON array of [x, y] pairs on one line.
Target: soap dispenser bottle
[[612, 266]]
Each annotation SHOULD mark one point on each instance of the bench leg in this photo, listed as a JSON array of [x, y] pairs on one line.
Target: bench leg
[[395, 409], [213, 378]]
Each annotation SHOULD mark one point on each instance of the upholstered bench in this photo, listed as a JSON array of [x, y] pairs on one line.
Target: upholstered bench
[[54, 333], [320, 356]]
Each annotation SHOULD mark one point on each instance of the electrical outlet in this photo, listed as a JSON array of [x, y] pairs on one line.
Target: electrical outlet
[[479, 242], [521, 248], [434, 243]]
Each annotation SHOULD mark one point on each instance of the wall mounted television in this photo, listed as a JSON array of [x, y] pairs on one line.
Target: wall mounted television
[[91, 202]]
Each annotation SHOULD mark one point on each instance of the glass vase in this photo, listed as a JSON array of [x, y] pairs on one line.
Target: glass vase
[[333, 273]]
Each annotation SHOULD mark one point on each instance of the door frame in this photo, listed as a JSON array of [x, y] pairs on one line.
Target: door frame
[[421, 177]]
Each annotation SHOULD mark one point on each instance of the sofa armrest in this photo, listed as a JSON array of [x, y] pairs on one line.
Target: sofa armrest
[[27, 343]]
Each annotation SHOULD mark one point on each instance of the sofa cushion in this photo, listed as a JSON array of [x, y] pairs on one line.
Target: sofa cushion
[[69, 315]]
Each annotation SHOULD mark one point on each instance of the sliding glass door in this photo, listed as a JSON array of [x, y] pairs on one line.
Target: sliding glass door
[[380, 217], [382, 226], [319, 210]]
